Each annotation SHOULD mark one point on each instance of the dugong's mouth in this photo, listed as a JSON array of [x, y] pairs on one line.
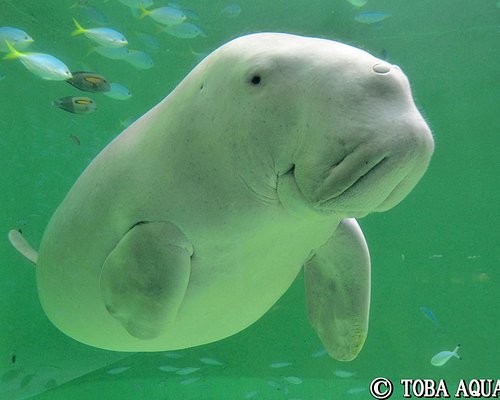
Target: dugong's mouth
[[296, 202], [346, 175], [365, 180]]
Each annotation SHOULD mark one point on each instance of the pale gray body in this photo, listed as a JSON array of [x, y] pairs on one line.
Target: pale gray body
[[194, 221]]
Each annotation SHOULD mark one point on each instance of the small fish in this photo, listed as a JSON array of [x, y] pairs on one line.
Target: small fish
[[251, 394], [343, 374], [118, 92], [17, 240], [442, 357], [358, 3], [280, 365], [187, 370], [292, 379], [2, 76], [199, 56], [136, 5], [126, 122], [117, 370], [148, 40], [436, 256], [75, 139], [113, 53], [319, 353], [104, 36], [210, 361], [18, 38], [164, 15], [139, 59], [429, 314], [89, 13], [371, 17], [168, 368], [89, 82], [231, 11], [76, 105], [43, 65], [190, 14], [189, 381], [186, 30], [275, 385]]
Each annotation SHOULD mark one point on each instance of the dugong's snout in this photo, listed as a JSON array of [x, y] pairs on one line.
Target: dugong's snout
[[380, 172], [408, 159], [372, 148]]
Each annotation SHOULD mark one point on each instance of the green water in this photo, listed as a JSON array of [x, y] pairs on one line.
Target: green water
[[438, 249]]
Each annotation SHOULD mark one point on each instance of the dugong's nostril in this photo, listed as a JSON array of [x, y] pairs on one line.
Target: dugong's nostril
[[381, 68]]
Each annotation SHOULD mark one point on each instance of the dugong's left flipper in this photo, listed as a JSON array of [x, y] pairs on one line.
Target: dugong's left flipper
[[17, 240], [144, 278], [337, 283]]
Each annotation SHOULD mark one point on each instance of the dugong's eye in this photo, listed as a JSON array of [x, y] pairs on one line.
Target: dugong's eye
[[255, 79]]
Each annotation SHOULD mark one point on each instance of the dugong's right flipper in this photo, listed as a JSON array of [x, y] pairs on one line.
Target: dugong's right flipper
[[337, 283], [22, 246], [144, 279]]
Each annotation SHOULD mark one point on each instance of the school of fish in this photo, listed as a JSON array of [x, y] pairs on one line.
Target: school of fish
[[110, 43], [107, 42]]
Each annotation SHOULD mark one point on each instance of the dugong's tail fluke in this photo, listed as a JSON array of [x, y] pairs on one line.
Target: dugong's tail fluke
[[22, 246]]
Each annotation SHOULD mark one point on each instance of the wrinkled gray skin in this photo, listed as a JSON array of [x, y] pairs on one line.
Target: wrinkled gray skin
[[194, 221]]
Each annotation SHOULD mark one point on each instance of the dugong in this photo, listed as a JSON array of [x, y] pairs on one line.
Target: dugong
[[198, 217]]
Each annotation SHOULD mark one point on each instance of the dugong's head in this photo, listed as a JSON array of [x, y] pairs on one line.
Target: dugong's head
[[335, 128]]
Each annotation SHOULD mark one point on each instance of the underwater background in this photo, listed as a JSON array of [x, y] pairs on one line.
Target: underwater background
[[435, 257]]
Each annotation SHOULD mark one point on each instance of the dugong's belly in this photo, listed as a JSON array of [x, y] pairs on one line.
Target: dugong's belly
[[246, 255], [248, 273]]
